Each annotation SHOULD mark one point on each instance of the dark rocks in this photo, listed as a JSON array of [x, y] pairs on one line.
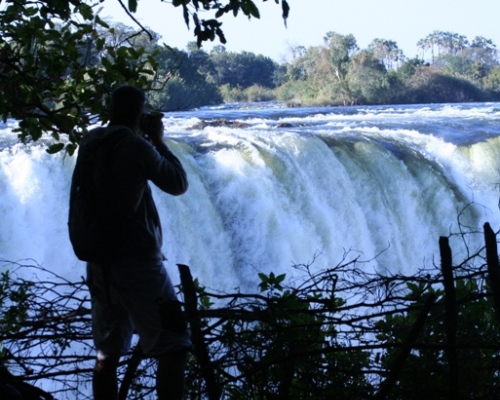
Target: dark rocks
[[220, 123]]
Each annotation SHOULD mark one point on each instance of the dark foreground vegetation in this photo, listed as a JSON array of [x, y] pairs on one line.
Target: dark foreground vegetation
[[343, 333]]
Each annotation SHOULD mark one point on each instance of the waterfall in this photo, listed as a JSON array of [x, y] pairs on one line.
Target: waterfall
[[264, 199]]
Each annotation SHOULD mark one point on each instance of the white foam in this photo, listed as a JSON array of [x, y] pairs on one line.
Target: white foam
[[262, 199]]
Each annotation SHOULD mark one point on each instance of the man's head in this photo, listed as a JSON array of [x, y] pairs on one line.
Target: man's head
[[127, 106]]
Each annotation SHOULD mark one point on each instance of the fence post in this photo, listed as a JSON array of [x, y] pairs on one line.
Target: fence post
[[199, 348], [132, 365], [450, 320], [493, 265], [397, 365]]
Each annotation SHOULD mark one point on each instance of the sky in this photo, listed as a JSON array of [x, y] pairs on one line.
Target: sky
[[403, 21]]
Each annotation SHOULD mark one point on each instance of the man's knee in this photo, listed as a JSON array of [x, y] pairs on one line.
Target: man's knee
[[106, 364]]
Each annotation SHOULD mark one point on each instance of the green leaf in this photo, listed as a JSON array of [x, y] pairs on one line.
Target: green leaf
[[71, 148], [101, 22], [221, 36], [132, 5], [86, 11], [29, 12], [280, 278], [286, 10], [55, 148], [249, 8], [185, 13]]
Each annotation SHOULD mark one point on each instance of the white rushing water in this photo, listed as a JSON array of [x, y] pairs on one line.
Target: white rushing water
[[293, 186]]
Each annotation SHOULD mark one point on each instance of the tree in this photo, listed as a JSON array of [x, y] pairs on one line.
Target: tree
[[482, 51], [339, 49], [310, 79], [451, 43], [491, 82], [409, 67], [387, 51], [54, 76], [367, 79], [444, 42], [423, 45], [186, 84], [241, 69], [471, 62]]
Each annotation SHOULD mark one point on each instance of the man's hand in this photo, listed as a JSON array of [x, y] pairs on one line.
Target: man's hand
[[152, 127]]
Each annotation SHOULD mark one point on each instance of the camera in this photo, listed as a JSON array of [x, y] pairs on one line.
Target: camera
[[150, 121]]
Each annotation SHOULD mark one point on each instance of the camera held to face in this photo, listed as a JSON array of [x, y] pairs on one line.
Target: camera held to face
[[150, 122]]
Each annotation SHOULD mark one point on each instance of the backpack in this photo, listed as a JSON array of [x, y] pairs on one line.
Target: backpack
[[97, 225]]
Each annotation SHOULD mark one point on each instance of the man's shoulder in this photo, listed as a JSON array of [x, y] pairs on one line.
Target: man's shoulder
[[117, 132], [106, 136], [133, 147], [102, 132]]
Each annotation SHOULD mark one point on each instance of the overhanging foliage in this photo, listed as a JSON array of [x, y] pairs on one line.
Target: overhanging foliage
[[57, 70]]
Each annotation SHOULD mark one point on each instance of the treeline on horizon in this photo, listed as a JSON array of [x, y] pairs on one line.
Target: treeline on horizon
[[449, 68]]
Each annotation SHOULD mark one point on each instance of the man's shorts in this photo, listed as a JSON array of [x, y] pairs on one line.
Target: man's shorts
[[135, 296]]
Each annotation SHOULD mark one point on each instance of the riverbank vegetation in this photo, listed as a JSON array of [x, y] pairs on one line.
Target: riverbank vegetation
[[450, 68]]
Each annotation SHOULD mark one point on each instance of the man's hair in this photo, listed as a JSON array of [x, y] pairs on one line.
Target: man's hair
[[126, 105]]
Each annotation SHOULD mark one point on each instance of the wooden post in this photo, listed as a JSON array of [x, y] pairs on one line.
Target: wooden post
[[200, 350], [132, 365], [493, 265], [450, 320], [399, 361], [288, 368]]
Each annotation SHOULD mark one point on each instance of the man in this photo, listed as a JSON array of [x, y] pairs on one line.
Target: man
[[133, 292]]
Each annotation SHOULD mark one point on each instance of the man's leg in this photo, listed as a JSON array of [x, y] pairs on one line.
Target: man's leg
[[105, 382], [170, 375]]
